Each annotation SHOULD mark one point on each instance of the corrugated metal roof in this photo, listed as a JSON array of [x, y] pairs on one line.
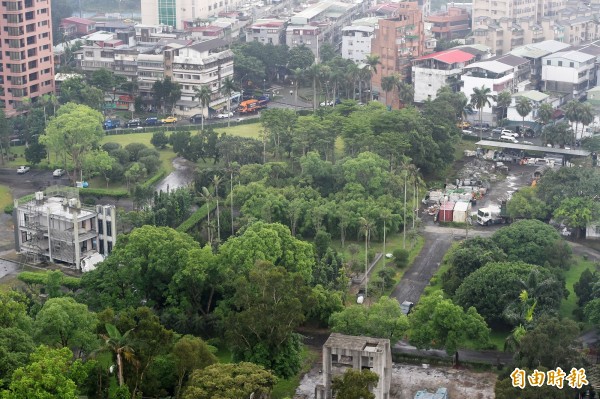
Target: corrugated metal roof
[[533, 95], [492, 66], [577, 56], [449, 56], [551, 46]]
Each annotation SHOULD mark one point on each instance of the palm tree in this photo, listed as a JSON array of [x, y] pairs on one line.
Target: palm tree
[[586, 117], [366, 227], [545, 113], [314, 72], [203, 94], [406, 93], [559, 133], [386, 214], [207, 197], [217, 183], [414, 174], [523, 107], [503, 101], [480, 98], [227, 88], [573, 114], [372, 60], [388, 83], [298, 74], [233, 168], [119, 344], [352, 76], [364, 74]]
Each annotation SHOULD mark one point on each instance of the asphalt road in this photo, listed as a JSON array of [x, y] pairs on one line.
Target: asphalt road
[[27, 183]]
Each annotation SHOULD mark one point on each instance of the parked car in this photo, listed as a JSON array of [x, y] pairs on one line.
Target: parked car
[[196, 118], [169, 119], [510, 139], [134, 123], [464, 125], [152, 121], [506, 132], [111, 124], [225, 115], [58, 173], [23, 169], [497, 130], [324, 103], [468, 132]]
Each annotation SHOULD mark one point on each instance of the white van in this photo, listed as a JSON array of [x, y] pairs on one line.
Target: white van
[[510, 139]]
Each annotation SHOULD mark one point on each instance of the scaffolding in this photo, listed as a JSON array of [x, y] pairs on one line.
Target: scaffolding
[[35, 246]]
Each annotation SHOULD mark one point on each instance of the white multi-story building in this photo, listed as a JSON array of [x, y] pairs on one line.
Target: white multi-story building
[[569, 72], [54, 226], [507, 72], [175, 12], [536, 99], [433, 71], [356, 42]]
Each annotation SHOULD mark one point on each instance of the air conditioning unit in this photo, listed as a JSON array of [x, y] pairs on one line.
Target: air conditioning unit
[[39, 195]]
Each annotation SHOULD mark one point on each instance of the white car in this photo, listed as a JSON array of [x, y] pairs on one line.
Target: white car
[[225, 115], [324, 103], [506, 132], [23, 169], [58, 173]]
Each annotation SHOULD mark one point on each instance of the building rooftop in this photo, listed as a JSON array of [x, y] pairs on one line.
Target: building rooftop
[[100, 36], [510, 59], [533, 95], [475, 49], [268, 23], [449, 56], [367, 21], [529, 52], [337, 340], [77, 20], [572, 55], [551, 46], [492, 66], [57, 207], [359, 28], [595, 89], [209, 45], [527, 147]]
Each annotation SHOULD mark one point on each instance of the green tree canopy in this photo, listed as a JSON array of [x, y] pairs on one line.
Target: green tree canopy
[[230, 381], [190, 354], [491, 288], [75, 130], [527, 241], [438, 323], [525, 204], [577, 212], [355, 384], [383, 319]]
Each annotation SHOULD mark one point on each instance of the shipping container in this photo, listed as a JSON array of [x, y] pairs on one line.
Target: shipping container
[[446, 213]]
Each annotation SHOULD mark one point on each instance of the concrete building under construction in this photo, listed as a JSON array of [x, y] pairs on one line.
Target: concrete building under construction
[[54, 226]]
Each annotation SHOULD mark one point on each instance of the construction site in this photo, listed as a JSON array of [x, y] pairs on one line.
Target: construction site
[[53, 226]]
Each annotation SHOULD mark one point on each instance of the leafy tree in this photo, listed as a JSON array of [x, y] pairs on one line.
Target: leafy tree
[[35, 153], [388, 83], [527, 241], [159, 139], [584, 288], [371, 61], [383, 319], [558, 133], [230, 381], [491, 288], [98, 162], [270, 242], [4, 136], [279, 125], [551, 344], [300, 57], [577, 212], [406, 93], [204, 95], [525, 204], [15, 347], [556, 185], [438, 323], [140, 268], [105, 79], [75, 130], [166, 92], [75, 90], [466, 257], [545, 114], [51, 373], [268, 304], [480, 98], [13, 311], [66, 323], [354, 384], [191, 353], [327, 302]]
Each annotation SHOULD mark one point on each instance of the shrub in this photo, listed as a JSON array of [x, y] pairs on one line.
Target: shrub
[[196, 217], [159, 139], [104, 192], [400, 257], [8, 209]]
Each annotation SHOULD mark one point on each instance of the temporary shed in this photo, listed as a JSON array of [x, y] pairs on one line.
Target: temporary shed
[[462, 210], [446, 213]]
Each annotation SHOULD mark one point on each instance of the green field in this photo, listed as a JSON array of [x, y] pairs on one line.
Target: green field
[[5, 197], [572, 275]]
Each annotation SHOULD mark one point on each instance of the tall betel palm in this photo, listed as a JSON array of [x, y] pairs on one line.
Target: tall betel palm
[[228, 87], [545, 113], [480, 98], [586, 117], [524, 108], [366, 227], [203, 94], [573, 114], [314, 72], [372, 60], [503, 100], [217, 180], [207, 197], [388, 83]]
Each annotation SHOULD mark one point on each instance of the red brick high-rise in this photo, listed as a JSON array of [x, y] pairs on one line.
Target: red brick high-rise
[[397, 41]]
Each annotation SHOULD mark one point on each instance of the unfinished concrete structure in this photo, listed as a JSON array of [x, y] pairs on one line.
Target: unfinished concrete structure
[[55, 226], [342, 352]]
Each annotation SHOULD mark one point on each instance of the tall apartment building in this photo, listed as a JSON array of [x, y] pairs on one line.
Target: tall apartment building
[[504, 34], [174, 12], [397, 41], [516, 9], [452, 24], [356, 42], [55, 226], [26, 59]]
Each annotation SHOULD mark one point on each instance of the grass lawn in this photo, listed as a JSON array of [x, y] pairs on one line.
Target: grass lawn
[[20, 152], [5, 197], [251, 130], [571, 277], [286, 388]]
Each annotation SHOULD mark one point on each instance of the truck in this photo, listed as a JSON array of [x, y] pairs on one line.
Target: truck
[[492, 214], [250, 106], [111, 124]]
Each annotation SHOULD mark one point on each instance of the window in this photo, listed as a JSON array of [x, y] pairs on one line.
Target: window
[[101, 250], [548, 62], [559, 63], [100, 227], [109, 229]]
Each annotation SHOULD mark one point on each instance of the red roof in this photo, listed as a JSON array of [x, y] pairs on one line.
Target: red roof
[[77, 20], [449, 56]]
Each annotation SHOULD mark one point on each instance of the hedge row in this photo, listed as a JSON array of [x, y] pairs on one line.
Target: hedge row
[[116, 193], [195, 218], [72, 283], [8, 209], [177, 128]]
